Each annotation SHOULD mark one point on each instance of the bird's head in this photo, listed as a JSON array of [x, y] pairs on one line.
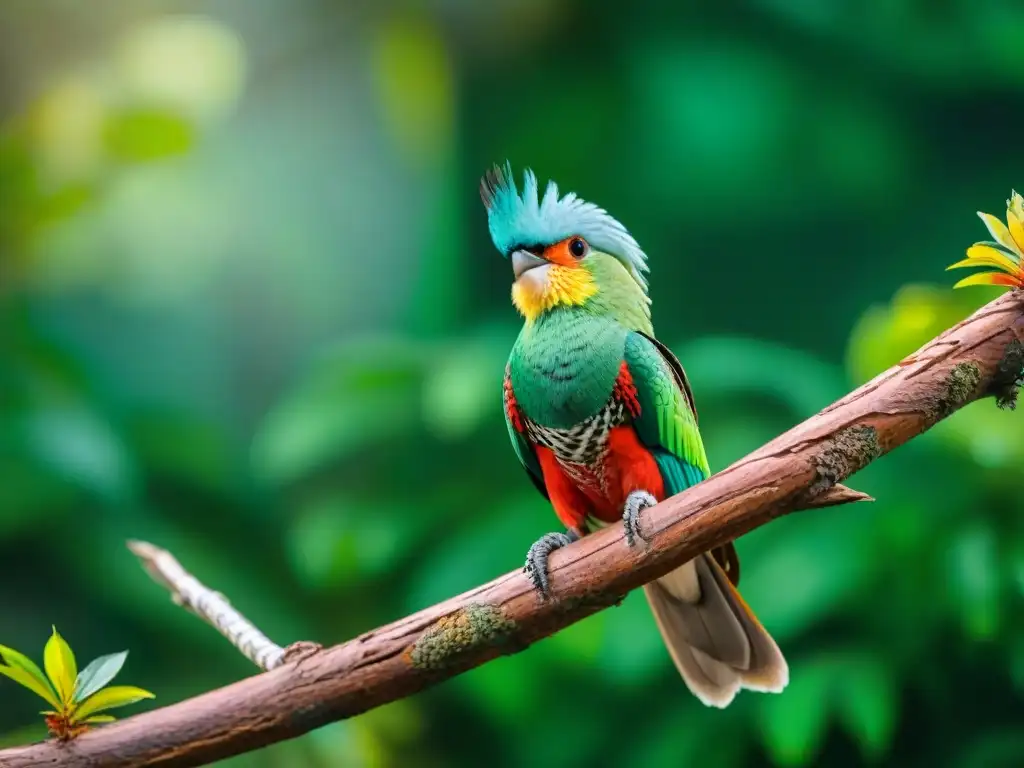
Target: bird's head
[[564, 251]]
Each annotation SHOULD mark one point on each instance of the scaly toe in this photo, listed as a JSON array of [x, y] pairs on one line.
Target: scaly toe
[[537, 559], [635, 504]]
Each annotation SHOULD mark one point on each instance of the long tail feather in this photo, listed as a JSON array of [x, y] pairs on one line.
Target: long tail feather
[[716, 642]]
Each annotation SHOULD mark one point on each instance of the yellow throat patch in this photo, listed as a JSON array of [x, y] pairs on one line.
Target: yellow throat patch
[[564, 286]]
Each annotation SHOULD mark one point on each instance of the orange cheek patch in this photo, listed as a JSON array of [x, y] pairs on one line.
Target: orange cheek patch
[[559, 254]]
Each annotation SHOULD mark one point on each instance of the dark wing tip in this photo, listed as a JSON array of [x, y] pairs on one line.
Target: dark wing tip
[[492, 181]]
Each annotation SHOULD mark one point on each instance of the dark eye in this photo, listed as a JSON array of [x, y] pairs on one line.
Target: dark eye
[[577, 247]]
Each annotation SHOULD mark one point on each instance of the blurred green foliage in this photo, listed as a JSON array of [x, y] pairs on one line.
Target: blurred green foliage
[[249, 311]]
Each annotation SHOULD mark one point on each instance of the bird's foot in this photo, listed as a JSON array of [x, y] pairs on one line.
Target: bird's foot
[[537, 558], [636, 503]]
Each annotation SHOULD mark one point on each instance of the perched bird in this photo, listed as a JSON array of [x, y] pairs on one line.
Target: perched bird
[[601, 415]]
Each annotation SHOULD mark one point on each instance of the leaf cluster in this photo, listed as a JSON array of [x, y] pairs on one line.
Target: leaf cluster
[[78, 698]]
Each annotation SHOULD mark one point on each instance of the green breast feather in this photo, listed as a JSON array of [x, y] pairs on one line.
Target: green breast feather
[[563, 367]]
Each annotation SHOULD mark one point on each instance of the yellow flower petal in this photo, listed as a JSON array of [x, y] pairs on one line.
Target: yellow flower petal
[[989, 278], [1016, 204], [998, 230], [60, 666], [980, 255], [1015, 219], [108, 698]]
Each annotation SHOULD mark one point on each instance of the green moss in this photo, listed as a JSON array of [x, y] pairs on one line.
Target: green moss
[[590, 602], [1009, 375], [849, 451], [961, 385], [475, 626]]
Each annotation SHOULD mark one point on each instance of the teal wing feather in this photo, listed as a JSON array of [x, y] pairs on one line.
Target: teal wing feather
[[522, 447], [526, 456], [668, 418]]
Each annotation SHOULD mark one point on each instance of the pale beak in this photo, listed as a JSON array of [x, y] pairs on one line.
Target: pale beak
[[523, 261]]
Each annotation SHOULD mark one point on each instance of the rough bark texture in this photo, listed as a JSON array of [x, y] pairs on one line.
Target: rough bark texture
[[798, 470]]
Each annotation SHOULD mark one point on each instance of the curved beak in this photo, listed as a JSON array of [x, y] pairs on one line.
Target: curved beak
[[523, 261]]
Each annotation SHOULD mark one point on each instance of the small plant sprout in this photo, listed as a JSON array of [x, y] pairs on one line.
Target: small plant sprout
[[77, 698], [1004, 253]]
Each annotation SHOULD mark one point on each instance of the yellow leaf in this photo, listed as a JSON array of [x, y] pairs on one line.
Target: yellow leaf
[[97, 719], [998, 230], [60, 667], [989, 278], [980, 255], [108, 698], [22, 670]]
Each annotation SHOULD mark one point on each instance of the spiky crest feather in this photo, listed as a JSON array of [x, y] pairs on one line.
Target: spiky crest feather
[[528, 220]]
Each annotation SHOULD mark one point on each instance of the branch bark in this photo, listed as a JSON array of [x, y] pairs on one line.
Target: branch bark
[[801, 469]]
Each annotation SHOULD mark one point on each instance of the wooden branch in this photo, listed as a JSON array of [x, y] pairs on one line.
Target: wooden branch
[[799, 470]]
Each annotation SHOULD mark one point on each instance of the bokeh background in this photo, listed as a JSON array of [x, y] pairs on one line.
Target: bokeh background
[[249, 311]]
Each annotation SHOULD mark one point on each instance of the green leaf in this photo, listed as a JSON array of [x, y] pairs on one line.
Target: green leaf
[[139, 135], [24, 672], [109, 698], [97, 674], [61, 668], [793, 723], [866, 703]]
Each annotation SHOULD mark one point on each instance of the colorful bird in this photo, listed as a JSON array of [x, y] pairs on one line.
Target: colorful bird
[[601, 415]]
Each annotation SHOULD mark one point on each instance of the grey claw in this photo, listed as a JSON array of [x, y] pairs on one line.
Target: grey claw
[[537, 559], [636, 503]]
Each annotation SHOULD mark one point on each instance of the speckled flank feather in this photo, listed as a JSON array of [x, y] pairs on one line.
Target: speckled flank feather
[[515, 221]]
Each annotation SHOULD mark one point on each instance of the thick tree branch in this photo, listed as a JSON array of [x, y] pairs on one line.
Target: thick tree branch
[[798, 470]]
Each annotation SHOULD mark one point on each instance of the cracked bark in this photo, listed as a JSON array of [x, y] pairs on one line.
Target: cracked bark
[[800, 469]]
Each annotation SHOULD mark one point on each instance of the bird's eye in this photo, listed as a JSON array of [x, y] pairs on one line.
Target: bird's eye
[[577, 247]]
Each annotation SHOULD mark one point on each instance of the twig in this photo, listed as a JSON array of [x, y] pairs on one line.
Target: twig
[[799, 470], [187, 591]]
